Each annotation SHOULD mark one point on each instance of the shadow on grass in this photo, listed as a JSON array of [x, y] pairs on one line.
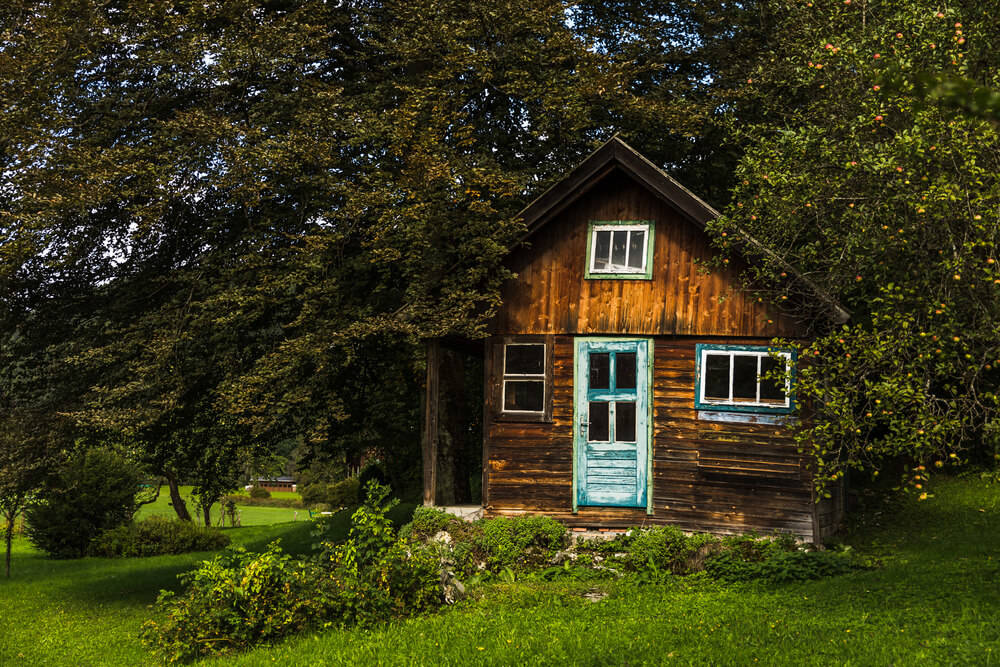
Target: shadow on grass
[[131, 581]]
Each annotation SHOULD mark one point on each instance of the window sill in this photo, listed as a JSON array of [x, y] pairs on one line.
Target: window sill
[[523, 418], [617, 276], [745, 417]]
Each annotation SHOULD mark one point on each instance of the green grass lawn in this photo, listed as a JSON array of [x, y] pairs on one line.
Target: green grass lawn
[[249, 515], [935, 601]]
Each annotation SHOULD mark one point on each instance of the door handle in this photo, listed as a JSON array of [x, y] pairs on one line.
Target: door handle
[[583, 426]]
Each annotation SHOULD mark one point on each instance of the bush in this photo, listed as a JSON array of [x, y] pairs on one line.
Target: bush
[[239, 599], [779, 567], [238, 499], [235, 600], [428, 522], [667, 548], [155, 536], [93, 492], [313, 494], [337, 494], [343, 493], [373, 472], [259, 492], [520, 541]]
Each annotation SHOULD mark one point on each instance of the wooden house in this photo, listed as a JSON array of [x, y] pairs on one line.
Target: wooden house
[[625, 384]]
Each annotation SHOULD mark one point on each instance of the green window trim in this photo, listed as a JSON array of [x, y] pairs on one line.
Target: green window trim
[[746, 406], [645, 272]]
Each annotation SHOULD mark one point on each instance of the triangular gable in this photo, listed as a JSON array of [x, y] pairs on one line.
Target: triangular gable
[[615, 154]]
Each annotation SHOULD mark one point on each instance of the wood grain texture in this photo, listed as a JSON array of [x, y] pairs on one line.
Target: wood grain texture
[[551, 296], [719, 477]]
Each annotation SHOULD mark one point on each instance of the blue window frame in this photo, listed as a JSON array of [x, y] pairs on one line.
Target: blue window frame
[[742, 378]]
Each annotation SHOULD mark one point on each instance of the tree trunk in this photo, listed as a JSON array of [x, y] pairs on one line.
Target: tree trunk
[[207, 509], [9, 538], [176, 501]]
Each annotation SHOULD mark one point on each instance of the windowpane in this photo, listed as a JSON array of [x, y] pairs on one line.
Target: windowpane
[[625, 370], [598, 430], [600, 370], [717, 377], [625, 422], [745, 378], [635, 251], [525, 360], [524, 395], [618, 248], [602, 250], [772, 390]]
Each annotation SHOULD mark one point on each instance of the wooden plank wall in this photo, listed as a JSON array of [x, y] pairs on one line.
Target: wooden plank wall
[[707, 476], [551, 295]]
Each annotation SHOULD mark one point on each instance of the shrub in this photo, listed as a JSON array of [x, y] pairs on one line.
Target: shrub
[[428, 522], [520, 541], [753, 548], [237, 499], [258, 492], [93, 492], [313, 494], [337, 494], [343, 493], [155, 536], [379, 574], [667, 548], [779, 566], [239, 599], [373, 472]]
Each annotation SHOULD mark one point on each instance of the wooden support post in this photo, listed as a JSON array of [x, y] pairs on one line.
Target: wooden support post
[[431, 404], [487, 418]]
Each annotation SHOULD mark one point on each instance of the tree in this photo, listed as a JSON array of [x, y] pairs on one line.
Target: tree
[[25, 462], [889, 201], [94, 490], [266, 204]]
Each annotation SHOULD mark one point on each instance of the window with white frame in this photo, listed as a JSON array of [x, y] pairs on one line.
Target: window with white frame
[[619, 249], [524, 378], [744, 378]]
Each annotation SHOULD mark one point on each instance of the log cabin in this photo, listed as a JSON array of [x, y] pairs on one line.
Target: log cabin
[[624, 384]]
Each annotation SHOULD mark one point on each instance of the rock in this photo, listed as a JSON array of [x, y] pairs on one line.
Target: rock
[[444, 537], [561, 557]]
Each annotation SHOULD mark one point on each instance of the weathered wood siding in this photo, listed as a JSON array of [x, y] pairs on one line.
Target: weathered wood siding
[[550, 294], [707, 476]]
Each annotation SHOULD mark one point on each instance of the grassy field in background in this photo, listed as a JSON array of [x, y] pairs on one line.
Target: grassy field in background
[[249, 515], [934, 601]]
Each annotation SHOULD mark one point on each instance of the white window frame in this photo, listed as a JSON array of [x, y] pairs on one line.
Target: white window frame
[[612, 269], [757, 403], [522, 377]]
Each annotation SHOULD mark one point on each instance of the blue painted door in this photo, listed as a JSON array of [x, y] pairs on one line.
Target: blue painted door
[[612, 421]]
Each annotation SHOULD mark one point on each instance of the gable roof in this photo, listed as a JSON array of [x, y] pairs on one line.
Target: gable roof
[[615, 154]]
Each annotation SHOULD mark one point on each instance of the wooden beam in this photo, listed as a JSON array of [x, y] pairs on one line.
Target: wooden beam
[[488, 395], [429, 444]]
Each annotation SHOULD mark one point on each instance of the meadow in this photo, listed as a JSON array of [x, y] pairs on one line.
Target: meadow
[[250, 515], [933, 599]]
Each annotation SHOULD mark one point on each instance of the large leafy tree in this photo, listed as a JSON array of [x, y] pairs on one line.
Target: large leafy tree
[[264, 204], [888, 198]]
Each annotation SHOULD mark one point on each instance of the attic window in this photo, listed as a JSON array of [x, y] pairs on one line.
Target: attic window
[[740, 378], [620, 249]]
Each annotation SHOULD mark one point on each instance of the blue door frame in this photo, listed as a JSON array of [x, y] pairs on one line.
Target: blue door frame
[[612, 425]]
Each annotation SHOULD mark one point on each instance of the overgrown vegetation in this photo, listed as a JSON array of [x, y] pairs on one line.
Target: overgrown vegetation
[[927, 603], [343, 493], [539, 547], [239, 599], [156, 536]]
